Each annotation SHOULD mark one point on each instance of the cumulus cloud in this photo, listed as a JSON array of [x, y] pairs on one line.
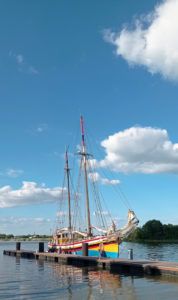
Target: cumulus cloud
[[29, 194], [153, 42], [94, 177], [140, 150], [14, 173]]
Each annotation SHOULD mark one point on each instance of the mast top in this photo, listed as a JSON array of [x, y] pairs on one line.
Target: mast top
[[83, 140], [67, 164]]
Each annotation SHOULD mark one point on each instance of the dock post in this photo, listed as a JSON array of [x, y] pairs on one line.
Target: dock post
[[17, 246], [130, 254], [85, 249], [41, 247]]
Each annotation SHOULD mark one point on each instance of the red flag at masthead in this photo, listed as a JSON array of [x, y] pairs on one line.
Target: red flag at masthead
[[67, 166], [83, 141]]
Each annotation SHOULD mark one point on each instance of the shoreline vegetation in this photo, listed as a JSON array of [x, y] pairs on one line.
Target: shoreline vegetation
[[154, 231], [25, 238]]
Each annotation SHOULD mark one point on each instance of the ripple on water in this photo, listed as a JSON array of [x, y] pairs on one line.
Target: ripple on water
[[24, 279]]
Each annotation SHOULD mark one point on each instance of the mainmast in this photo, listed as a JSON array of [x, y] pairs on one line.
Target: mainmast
[[84, 157], [68, 188]]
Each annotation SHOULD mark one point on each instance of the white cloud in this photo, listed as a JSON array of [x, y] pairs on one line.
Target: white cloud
[[33, 70], [119, 222], [94, 177], [103, 213], [61, 213], [111, 182], [29, 194], [19, 58], [154, 41], [22, 220], [140, 150], [14, 173], [93, 163], [23, 65], [42, 128]]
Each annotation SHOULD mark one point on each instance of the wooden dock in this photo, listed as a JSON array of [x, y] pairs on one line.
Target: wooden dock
[[132, 267]]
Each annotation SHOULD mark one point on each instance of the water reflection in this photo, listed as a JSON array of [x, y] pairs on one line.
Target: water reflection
[[94, 281], [88, 283], [29, 279]]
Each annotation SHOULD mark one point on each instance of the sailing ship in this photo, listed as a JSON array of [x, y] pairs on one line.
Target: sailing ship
[[103, 240]]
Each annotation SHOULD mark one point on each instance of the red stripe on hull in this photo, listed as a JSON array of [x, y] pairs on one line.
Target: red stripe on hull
[[90, 247], [87, 241]]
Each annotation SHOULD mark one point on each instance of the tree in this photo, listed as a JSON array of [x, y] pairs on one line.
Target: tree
[[152, 230]]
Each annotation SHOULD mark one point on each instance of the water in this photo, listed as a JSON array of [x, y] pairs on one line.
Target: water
[[25, 279], [155, 251]]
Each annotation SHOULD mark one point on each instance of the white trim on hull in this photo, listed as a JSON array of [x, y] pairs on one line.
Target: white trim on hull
[[91, 242]]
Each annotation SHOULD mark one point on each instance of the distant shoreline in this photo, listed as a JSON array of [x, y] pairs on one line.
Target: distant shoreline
[[26, 240]]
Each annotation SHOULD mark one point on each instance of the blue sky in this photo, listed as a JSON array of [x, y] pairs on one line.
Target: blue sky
[[113, 62]]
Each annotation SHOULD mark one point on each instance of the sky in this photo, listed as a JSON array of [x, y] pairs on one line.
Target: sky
[[114, 62]]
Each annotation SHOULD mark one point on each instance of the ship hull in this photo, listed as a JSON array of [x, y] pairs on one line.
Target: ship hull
[[102, 246]]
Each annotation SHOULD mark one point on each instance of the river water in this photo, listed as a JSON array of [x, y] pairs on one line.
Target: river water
[[26, 279]]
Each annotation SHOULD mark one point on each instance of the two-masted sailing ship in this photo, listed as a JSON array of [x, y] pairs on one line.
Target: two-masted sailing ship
[[101, 237]]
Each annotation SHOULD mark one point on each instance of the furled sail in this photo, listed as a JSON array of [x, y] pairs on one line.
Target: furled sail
[[130, 226]]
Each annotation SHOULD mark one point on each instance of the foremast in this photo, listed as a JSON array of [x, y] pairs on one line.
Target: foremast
[[84, 159], [68, 191]]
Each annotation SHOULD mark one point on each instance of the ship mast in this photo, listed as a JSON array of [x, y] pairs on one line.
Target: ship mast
[[68, 189], [84, 157]]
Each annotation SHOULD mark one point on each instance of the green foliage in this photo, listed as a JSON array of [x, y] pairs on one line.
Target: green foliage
[[154, 230], [6, 236], [28, 237]]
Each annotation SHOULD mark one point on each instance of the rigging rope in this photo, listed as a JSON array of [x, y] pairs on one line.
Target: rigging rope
[[117, 189]]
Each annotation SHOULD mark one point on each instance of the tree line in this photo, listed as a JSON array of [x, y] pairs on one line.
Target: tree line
[[155, 230], [7, 237]]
